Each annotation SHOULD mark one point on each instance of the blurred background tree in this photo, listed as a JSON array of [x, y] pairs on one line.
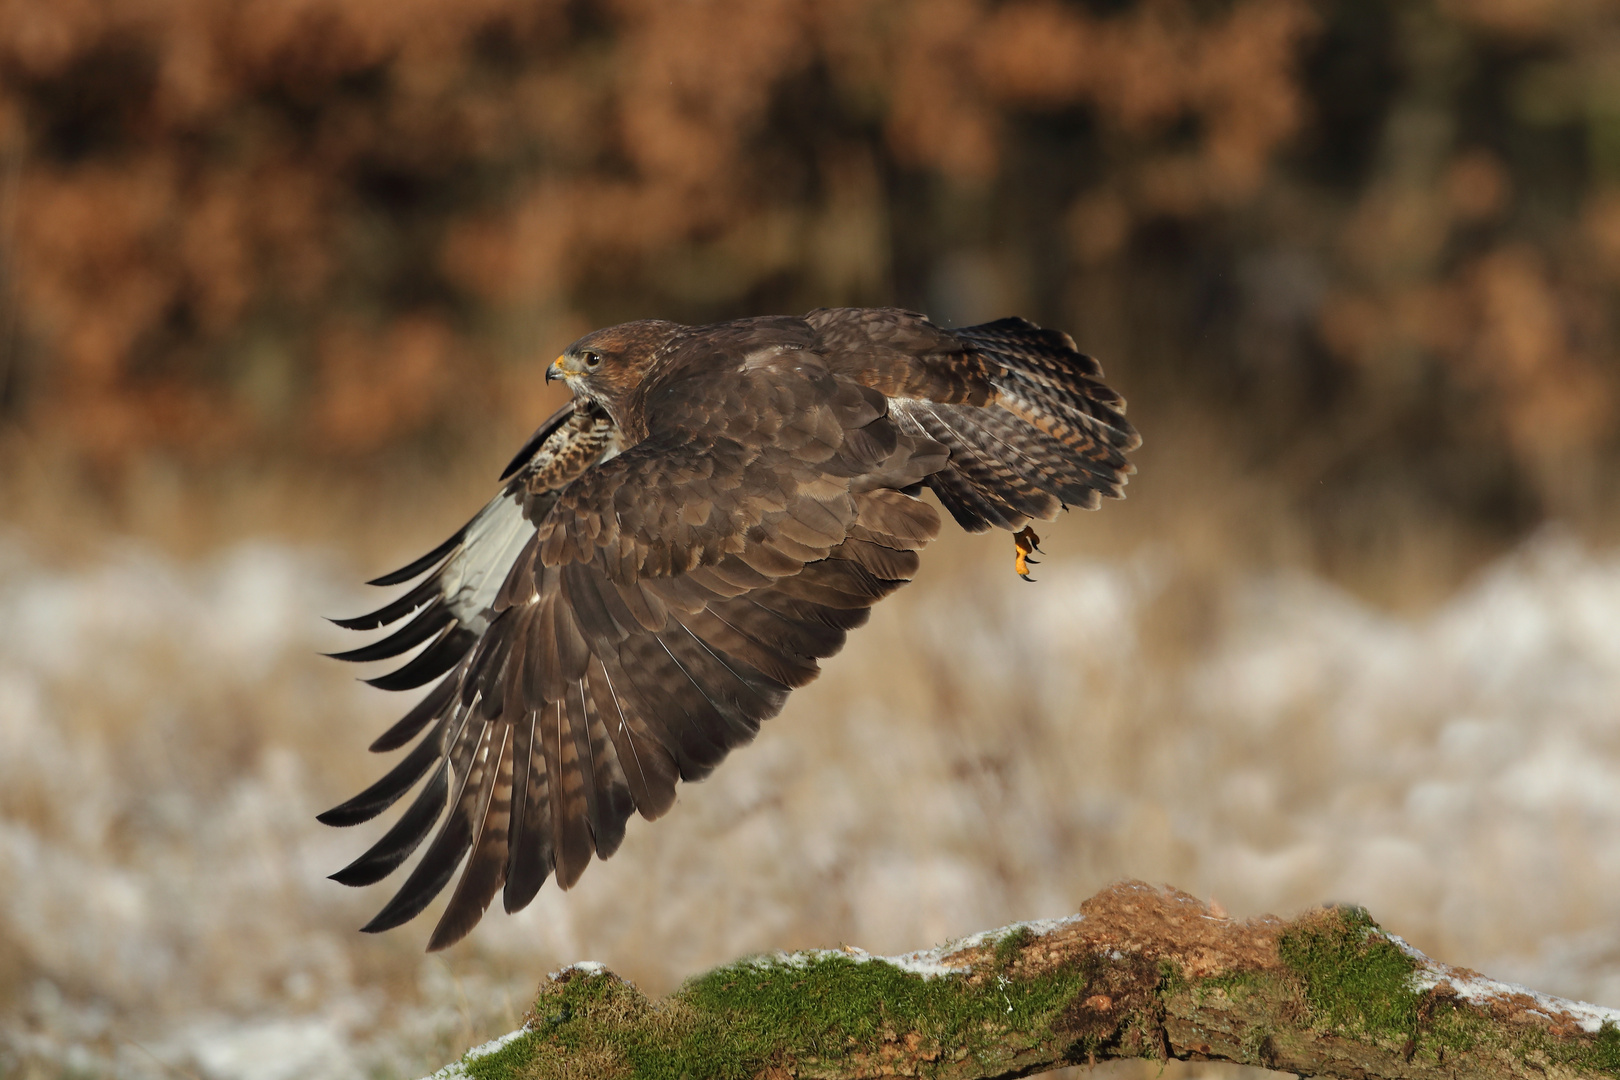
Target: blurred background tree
[[1370, 247]]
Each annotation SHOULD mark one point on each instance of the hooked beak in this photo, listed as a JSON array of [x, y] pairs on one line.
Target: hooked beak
[[554, 370]]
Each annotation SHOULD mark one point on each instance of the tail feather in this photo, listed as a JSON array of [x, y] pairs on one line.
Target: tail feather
[[1054, 437], [974, 509]]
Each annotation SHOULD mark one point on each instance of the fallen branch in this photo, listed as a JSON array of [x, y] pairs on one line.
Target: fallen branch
[[1140, 972]]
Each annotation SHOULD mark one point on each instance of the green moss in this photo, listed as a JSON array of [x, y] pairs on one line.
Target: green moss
[[1604, 1052], [1599, 1054], [737, 1021], [1171, 979], [1010, 944], [1356, 980], [1236, 985], [1255, 1045], [734, 1021], [504, 1063], [832, 1006], [1448, 1030]]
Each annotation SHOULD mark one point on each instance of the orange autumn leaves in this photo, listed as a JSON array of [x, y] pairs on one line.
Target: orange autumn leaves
[[325, 226], [239, 220], [964, 64]]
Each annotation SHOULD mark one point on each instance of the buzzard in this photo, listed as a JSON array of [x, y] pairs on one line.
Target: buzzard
[[675, 550]]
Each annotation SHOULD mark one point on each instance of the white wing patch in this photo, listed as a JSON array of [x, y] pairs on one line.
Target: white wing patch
[[449, 608], [472, 576]]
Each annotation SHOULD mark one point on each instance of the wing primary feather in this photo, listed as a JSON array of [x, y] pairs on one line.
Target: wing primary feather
[[579, 727], [742, 726], [432, 619], [486, 865], [396, 845], [651, 786], [394, 783], [438, 865], [406, 727], [529, 846], [405, 573], [571, 842], [424, 592], [488, 656], [614, 800], [414, 825], [446, 651], [530, 849]]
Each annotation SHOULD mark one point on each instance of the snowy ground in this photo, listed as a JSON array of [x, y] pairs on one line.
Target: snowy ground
[[983, 752]]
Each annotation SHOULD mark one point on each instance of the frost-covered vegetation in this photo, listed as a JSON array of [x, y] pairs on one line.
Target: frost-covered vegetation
[[987, 751]]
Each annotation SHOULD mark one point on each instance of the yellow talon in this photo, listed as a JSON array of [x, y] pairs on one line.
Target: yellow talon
[[1024, 542]]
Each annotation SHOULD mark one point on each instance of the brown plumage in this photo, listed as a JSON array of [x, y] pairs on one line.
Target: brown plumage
[[676, 550]]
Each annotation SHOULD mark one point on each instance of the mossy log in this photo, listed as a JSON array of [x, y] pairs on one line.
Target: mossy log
[[1140, 972]]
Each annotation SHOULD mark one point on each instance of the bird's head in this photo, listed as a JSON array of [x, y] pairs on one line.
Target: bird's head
[[607, 366]]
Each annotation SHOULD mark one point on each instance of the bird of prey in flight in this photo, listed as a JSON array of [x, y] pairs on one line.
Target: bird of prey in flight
[[675, 550]]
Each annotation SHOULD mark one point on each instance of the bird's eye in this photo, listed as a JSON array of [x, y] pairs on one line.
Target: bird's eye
[[592, 359]]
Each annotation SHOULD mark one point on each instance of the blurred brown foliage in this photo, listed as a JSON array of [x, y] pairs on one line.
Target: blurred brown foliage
[[1378, 241]]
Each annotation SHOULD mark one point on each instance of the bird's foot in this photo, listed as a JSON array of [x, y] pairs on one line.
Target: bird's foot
[[1024, 542]]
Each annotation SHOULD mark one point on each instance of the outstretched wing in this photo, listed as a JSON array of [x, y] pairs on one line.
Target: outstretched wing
[[609, 627], [665, 605], [451, 604]]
